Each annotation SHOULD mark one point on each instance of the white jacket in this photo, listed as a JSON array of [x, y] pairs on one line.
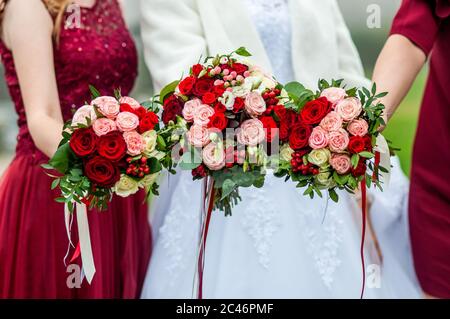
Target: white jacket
[[176, 33]]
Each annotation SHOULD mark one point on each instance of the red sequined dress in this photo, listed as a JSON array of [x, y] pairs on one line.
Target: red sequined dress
[[33, 239]]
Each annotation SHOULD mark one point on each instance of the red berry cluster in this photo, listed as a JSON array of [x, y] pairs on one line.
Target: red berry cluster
[[299, 167], [137, 167], [270, 97]]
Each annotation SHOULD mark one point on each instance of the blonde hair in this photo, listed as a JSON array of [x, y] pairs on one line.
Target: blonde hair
[[55, 7]]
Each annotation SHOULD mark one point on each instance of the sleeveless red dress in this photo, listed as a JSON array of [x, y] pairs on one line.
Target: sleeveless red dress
[[427, 24], [33, 240]]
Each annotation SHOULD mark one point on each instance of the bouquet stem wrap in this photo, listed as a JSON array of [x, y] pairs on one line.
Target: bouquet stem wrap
[[205, 219]]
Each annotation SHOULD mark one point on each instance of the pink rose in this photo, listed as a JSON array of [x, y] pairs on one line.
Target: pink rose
[[130, 101], [108, 106], [202, 113], [82, 114], [213, 157], [338, 140], [334, 95], [255, 104], [318, 138], [127, 121], [341, 163], [103, 126], [189, 109], [251, 132], [349, 108], [135, 143], [198, 135], [331, 122], [358, 127]]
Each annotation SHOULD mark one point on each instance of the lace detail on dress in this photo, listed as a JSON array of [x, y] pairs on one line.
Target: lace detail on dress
[[273, 23], [180, 244], [323, 239], [261, 221]]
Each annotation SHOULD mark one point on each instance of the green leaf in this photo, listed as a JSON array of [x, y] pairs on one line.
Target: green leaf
[[333, 195], [367, 154], [242, 51], [167, 90], [154, 165], [47, 166], [374, 88], [161, 142], [355, 160], [60, 161], [55, 183], [94, 92], [294, 88], [228, 187]]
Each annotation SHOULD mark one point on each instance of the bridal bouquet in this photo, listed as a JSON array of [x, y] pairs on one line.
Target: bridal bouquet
[[329, 137], [109, 147], [218, 120]]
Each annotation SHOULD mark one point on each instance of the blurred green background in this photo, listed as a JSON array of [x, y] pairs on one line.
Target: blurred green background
[[368, 39]]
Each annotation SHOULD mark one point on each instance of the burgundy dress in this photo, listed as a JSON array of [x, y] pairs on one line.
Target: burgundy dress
[[427, 24], [33, 240]]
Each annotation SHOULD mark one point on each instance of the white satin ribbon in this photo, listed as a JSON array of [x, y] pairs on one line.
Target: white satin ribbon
[[84, 236], [385, 158]]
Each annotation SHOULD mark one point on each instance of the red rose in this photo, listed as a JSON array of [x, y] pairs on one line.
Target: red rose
[[83, 142], [112, 146], [240, 68], [197, 69], [280, 111], [148, 122], [140, 112], [202, 86], [284, 132], [125, 107], [360, 170], [356, 144], [219, 108], [368, 143], [173, 107], [269, 125], [314, 111], [299, 136], [187, 85], [102, 172], [199, 172], [219, 90], [209, 98], [238, 105], [219, 121]]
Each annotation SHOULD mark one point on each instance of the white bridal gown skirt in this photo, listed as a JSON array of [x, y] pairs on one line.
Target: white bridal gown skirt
[[280, 244]]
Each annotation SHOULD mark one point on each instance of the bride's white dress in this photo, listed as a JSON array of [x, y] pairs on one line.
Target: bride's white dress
[[279, 243]]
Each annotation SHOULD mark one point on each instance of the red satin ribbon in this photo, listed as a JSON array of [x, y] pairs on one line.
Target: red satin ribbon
[[363, 236], [76, 253], [201, 257]]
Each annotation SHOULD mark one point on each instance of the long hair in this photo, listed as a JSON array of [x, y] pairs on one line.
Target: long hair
[[55, 7]]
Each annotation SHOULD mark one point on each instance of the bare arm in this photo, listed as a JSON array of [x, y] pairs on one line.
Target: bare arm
[[396, 69], [27, 31]]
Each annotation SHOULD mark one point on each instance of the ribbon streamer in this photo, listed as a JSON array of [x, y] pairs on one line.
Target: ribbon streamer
[[363, 236], [206, 214], [84, 246]]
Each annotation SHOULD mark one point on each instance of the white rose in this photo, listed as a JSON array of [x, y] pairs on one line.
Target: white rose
[[286, 153], [324, 180], [126, 186], [148, 181], [319, 157], [149, 138]]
